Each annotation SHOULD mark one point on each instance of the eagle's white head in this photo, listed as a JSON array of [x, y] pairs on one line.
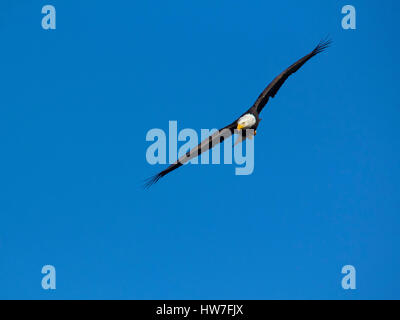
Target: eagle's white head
[[246, 121]]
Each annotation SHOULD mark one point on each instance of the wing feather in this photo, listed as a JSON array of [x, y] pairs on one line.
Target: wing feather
[[276, 84], [207, 144]]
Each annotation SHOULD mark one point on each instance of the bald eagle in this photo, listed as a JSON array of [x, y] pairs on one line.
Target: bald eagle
[[246, 125]]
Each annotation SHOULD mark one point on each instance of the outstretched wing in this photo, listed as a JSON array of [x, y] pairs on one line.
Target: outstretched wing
[[276, 84], [207, 144]]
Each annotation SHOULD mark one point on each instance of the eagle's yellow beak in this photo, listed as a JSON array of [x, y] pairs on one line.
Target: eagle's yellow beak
[[239, 126]]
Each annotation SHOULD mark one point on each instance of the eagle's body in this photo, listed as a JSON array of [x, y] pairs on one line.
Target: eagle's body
[[247, 122]]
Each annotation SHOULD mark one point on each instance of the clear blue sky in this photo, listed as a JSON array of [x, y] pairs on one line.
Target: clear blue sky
[[76, 104]]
